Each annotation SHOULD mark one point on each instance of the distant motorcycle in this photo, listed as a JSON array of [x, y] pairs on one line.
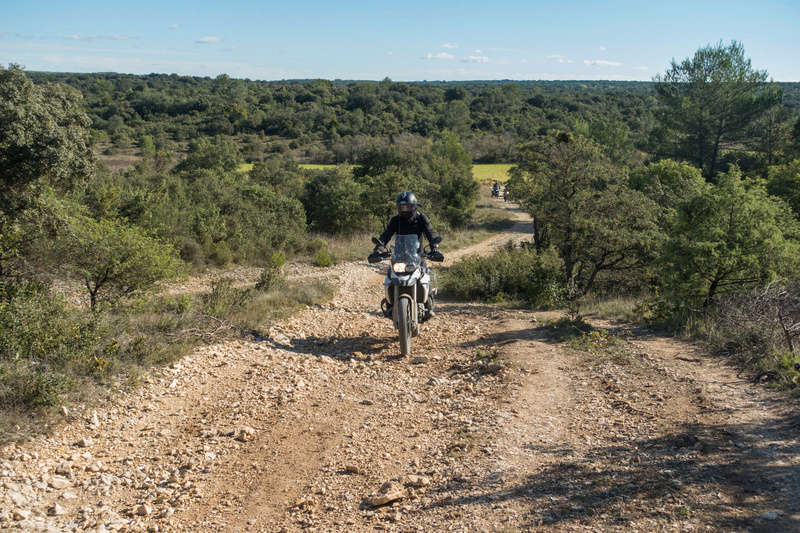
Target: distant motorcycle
[[496, 191], [409, 296]]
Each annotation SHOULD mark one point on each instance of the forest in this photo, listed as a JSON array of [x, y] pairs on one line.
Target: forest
[[680, 194]]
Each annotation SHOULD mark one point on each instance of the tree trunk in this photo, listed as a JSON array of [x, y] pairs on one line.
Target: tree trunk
[[537, 241], [712, 291]]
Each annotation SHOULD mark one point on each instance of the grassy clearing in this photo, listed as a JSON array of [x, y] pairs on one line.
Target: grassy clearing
[[482, 172], [314, 166], [488, 172]]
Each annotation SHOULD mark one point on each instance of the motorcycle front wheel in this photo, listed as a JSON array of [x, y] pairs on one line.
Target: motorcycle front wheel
[[404, 325]]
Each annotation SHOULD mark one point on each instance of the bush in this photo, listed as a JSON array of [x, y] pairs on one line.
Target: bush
[[113, 259], [220, 254], [271, 275], [520, 274], [758, 328], [45, 347], [322, 259], [224, 298]]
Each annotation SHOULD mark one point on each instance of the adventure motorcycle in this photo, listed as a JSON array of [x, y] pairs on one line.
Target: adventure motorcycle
[[409, 296]]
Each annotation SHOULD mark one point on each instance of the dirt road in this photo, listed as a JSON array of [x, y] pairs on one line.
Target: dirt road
[[489, 426]]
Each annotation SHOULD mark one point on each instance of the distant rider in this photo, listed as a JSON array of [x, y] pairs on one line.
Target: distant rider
[[409, 221]]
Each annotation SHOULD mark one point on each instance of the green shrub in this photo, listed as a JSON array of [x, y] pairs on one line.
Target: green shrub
[[316, 244], [191, 252], [114, 260], [44, 346], [220, 254], [224, 298], [519, 274], [271, 275], [322, 259]]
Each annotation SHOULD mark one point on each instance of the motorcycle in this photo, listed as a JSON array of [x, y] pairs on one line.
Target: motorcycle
[[409, 296], [496, 191]]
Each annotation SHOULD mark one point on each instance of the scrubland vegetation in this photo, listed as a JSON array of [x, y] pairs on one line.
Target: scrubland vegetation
[[636, 191]]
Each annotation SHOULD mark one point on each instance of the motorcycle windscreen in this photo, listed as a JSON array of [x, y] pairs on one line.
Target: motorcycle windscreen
[[407, 250]]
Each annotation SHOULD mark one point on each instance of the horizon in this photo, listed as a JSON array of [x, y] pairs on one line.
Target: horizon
[[470, 41]]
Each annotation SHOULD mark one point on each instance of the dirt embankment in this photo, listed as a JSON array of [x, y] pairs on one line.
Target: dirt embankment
[[490, 426]]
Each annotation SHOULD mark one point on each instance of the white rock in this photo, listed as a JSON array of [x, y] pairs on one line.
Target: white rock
[[144, 509], [56, 510], [21, 514], [58, 482], [15, 497], [770, 515], [64, 469], [417, 481], [245, 434], [86, 442]]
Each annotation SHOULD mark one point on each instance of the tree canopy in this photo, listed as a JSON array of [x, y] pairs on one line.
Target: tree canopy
[[709, 100]]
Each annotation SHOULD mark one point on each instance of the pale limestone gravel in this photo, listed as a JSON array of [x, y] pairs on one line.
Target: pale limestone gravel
[[296, 432]]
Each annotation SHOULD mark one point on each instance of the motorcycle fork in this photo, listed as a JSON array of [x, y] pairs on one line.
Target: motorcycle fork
[[413, 305]]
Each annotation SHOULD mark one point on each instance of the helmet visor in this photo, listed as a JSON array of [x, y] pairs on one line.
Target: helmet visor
[[404, 208]]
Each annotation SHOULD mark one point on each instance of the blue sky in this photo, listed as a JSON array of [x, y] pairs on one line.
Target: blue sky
[[404, 40]]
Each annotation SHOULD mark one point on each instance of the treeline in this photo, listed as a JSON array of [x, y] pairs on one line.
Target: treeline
[[328, 122], [702, 243]]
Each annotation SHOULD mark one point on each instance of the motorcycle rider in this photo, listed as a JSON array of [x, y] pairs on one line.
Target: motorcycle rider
[[410, 221]]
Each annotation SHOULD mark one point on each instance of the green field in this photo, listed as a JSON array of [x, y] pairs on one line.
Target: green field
[[483, 172], [491, 171]]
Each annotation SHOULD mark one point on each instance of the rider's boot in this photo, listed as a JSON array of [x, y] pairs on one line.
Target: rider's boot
[[429, 308], [386, 308]]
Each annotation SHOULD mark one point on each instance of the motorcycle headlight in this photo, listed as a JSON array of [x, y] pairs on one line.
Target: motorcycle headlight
[[400, 268]]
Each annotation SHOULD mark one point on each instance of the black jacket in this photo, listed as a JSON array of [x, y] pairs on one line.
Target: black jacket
[[417, 225]]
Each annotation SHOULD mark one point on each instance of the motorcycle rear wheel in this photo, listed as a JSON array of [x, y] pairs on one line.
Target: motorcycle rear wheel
[[404, 323]]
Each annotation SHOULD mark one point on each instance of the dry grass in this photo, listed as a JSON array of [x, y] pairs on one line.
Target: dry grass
[[620, 308]]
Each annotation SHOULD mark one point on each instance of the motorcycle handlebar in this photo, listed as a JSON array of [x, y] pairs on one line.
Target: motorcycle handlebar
[[436, 256]]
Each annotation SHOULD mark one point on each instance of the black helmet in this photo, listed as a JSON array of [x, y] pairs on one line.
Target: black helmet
[[406, 204]]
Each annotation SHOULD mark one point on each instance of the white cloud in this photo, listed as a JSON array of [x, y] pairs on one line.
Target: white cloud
[[440, 55], [602, 63], [640, 68], [174, 26], [115, 37], [209, 40], [603, 48], [477, 52], [475, 59], [560, 59], [450, 46]]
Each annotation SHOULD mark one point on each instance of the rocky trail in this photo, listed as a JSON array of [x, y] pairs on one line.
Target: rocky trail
[[490, 426]]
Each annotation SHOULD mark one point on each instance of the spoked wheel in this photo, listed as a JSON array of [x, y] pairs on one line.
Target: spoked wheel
[[404, 323]]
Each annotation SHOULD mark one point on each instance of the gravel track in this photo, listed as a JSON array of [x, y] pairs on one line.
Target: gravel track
[[489, 426]]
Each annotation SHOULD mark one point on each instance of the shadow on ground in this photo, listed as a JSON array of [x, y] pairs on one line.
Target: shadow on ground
[[734, 477]]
